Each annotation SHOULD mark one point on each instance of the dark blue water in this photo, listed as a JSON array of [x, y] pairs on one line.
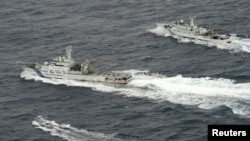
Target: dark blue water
[[187, 86]]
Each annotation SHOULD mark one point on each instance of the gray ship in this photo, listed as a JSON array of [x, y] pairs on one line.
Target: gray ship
[[66, 68], [192, 31]]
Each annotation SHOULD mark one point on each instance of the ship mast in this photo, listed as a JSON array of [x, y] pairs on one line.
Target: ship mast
[[191, 21], [68, 52]]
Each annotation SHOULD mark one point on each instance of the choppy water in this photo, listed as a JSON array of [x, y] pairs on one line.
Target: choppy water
[[177, 89]]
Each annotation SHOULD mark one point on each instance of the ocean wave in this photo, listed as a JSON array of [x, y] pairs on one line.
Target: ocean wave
[[67, 132]]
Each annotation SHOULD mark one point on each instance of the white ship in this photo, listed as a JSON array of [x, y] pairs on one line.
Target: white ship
[[192, 31], [66, 68]]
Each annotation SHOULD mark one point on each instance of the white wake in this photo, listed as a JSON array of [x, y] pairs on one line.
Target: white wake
[[204, 92], [238, 44], [69, 133]]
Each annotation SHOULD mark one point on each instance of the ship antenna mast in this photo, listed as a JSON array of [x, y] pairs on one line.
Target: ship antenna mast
[[68, 52], [191, 21]]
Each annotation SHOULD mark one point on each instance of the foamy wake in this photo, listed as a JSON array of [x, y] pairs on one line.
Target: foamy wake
[[238, 44], [69, 133], [206, 92]]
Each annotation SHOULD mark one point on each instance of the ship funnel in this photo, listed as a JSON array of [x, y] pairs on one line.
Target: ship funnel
[[68, 52]]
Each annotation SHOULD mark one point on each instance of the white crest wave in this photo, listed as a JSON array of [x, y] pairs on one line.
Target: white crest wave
[[204, 92], [69, 133]]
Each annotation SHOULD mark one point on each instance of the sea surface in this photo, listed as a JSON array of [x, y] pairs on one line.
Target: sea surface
[[179, 86]]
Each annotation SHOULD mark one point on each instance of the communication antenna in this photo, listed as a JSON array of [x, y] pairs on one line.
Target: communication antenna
[[68, 52]]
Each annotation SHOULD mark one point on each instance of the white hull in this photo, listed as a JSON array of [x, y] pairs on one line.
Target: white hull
[[95, 78], [81, 77], [77, 77]]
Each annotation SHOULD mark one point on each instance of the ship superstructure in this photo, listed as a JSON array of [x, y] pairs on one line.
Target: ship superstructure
[[66, 68]]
